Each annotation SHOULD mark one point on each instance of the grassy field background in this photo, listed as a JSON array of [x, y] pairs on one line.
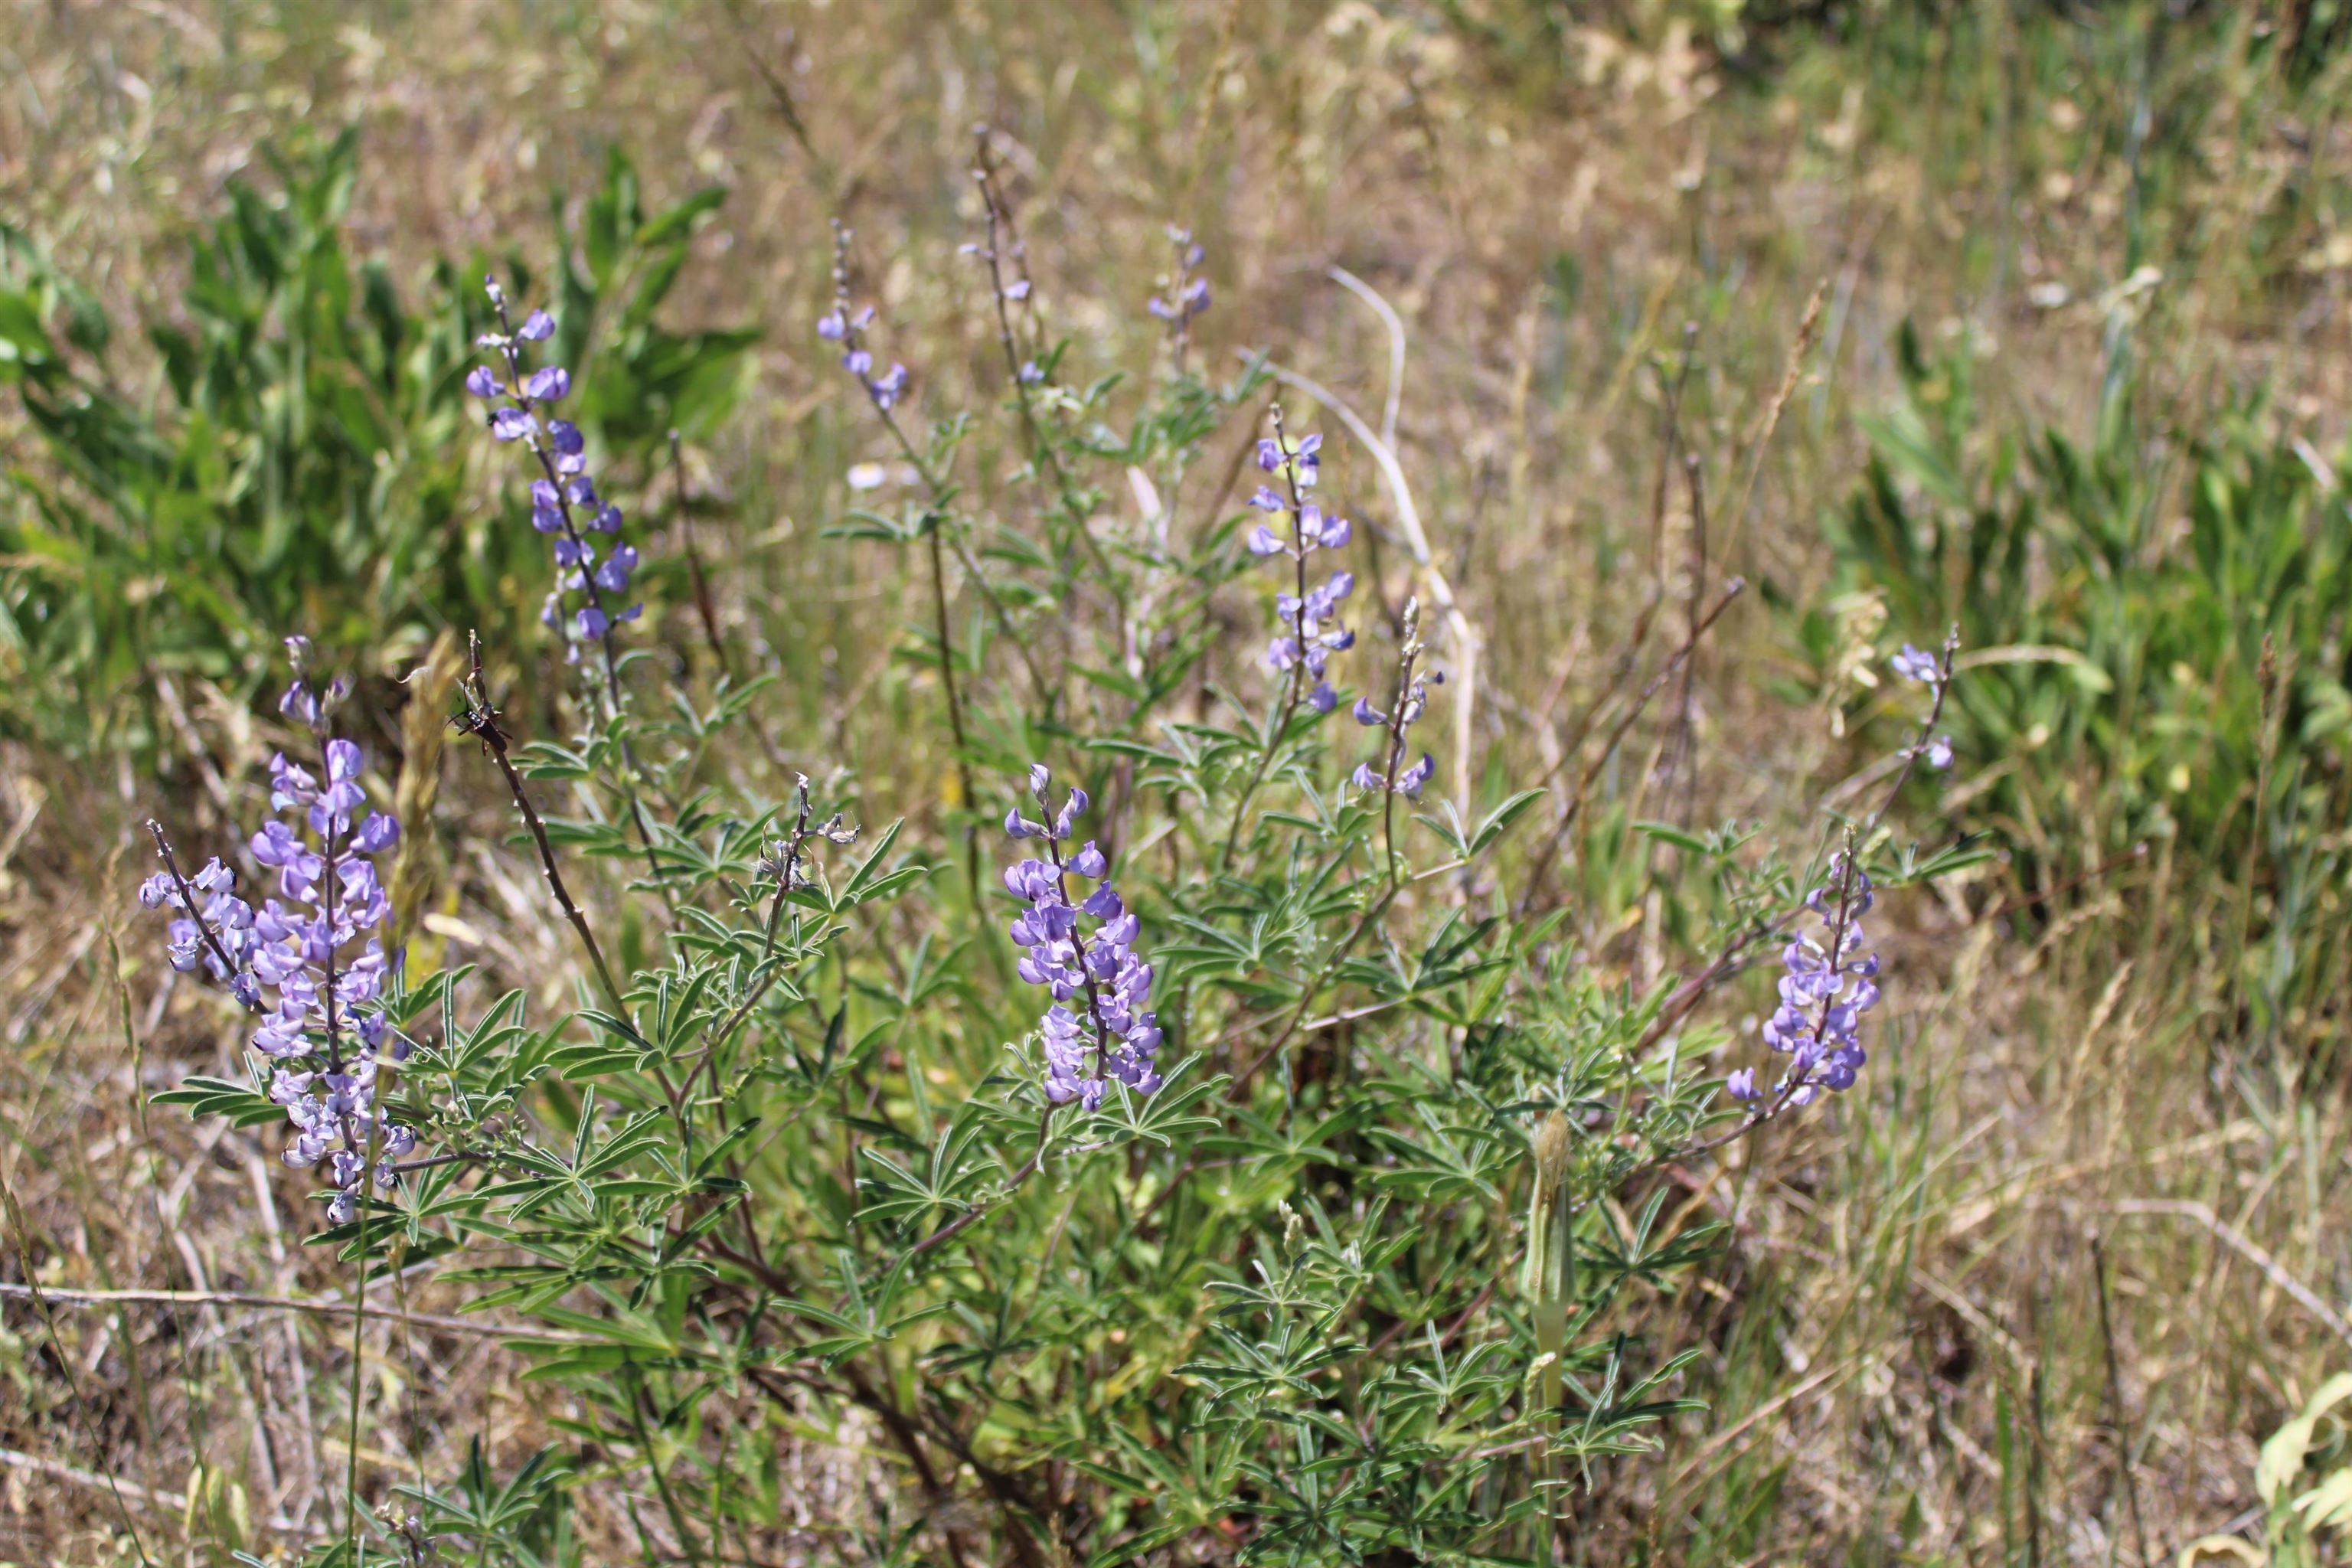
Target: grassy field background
[[2027, 318]]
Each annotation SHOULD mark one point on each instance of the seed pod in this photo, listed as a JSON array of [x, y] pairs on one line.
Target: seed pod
[[1548, 1277]]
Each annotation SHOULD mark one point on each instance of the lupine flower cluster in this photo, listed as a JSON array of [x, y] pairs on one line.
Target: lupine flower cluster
[[1098, 969], [846, 328], [1013, 291], [1010, 283], [1186, 295], [1411, 701], [1914, 664], [1825, 988], [563, 498], [291, 960], [1310, 616]]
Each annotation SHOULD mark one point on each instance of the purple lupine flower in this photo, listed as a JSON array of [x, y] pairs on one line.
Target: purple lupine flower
[[846, 327], [1825, 988], [564, 504], [1183, 295], [1412, 701], [1309, 618], [1100, 987], [1912, 664], [310, 963]]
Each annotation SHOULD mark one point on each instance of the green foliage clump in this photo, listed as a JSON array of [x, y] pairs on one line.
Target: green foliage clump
[[2157, 626], [302, 463]]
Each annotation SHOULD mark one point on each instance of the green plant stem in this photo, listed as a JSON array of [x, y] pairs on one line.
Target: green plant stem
[[685, 1541]]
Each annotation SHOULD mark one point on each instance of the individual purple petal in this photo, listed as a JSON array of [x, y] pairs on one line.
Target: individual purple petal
[[1409, 782], [1914, 665]]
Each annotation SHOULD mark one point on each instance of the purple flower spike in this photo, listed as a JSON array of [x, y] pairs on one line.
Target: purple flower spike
[[1826, 986], [312, 965], [1097, 1029], [564, 504], [1310, 631]]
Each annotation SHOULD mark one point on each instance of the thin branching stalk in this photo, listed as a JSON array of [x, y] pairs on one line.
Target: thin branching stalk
[[481, 721]]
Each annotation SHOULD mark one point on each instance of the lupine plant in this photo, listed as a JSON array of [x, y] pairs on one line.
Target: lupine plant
[[1218, 1254]]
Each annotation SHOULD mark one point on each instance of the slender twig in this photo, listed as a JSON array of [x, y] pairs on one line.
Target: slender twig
[[970, 1217], [704, 608], [780, 95], [1669, 443], [1685, 752], [1762, 440], [188, 898], [2116, 1397], [480, 721], [315, 1306], [1042, 452], [2237, 1242], [147, 1496]]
